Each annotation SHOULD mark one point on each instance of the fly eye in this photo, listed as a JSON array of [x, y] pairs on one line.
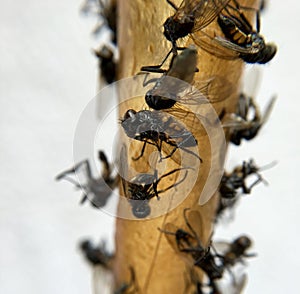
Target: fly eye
[[129, 114]]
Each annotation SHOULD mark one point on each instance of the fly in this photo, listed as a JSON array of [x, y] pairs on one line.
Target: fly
[[175, 85], [106, 11], [234, 183], [142, 188], [188, 244], [96, 255], [241, 40], [96, 190], [242, 126], [191, 16], [157, 128]]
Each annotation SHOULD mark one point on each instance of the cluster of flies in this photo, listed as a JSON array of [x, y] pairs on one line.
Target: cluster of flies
[[160, 127]]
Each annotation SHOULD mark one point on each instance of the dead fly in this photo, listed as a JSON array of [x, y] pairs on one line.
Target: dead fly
[[142, 188], [188, 244], [130, 287], [107, 14], [243, 126], [234, 183], [168, 90], [160, 130], [96, 255], [96, 190], [241, 40], [191, 16], [235, 251]]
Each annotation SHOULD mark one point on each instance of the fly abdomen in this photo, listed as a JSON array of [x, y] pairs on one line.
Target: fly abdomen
[[232, 31]]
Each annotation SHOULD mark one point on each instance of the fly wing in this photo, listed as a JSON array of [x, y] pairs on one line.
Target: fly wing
[[194, 222], [102, 280], [210, 45], [205, 11], [179, 138], [236, 122], [123, 169], [268, 110], [221, 247], [170, 234], [229, 45]]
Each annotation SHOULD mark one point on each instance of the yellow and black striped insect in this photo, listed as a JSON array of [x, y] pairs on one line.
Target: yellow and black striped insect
[[241, 39]]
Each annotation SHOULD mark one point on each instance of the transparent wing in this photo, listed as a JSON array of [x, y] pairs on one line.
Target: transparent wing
[[221, 247], [205, 11], [251, 81], [210, 45], [195, 221], [102, 280], [213, 90], [170, 234], [229, 45], [268, 110], [123, 169]]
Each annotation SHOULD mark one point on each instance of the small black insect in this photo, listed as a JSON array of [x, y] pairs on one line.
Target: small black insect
[[107, 14], [169, 90], [96, 255], [237, 250], [245, 127], [232, 182], [156, 128], [189, 245], [96, 190], [191, 16], [142, 188]]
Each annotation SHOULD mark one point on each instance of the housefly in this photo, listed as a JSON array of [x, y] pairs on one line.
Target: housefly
[[175, 85], [241, 40], [191, 16], [107, 15], [188, 244], [242, 125], [143, 187], [96, 190], [158, 129], [235, 251], [234, 184], [96, 255], [107, 63]]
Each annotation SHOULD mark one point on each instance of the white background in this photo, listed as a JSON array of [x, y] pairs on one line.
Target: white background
[[47, 76]]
